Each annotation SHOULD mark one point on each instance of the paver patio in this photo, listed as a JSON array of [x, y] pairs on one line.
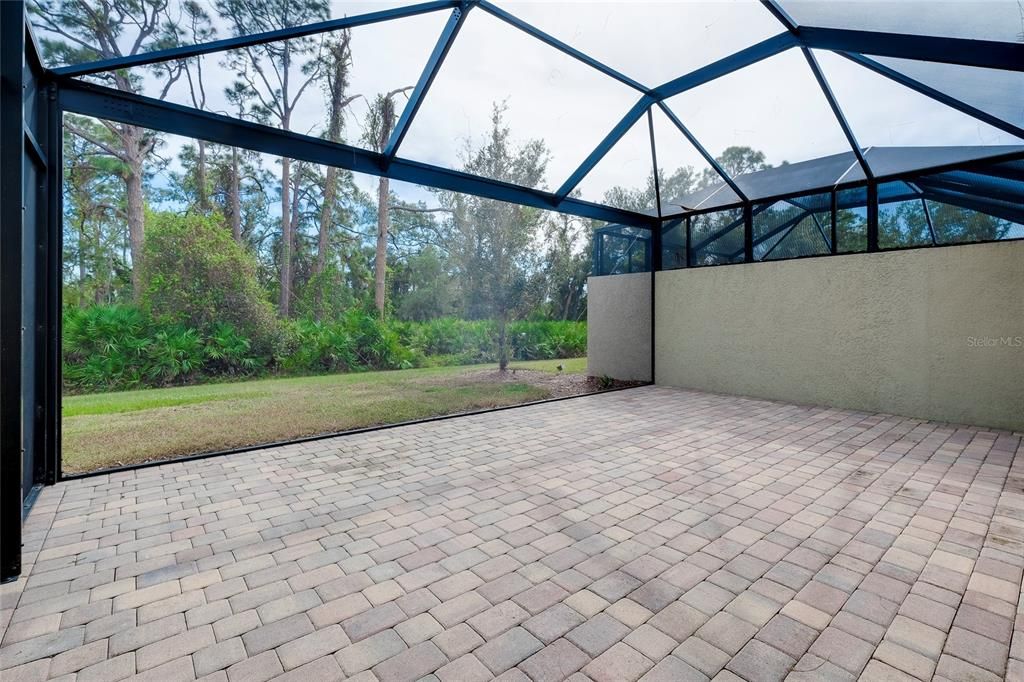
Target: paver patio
[[652, 534]]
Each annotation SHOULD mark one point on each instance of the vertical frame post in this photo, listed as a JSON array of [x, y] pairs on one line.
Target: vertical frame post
[[834, 213], [748, 232], [689, 241], [872, 217], [655, 233], [55, 249], [12, 140]]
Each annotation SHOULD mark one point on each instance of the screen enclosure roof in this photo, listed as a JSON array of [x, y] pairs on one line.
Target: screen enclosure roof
[[825, 93]]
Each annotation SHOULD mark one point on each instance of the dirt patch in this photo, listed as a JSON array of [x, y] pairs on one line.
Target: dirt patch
[[558, 384]]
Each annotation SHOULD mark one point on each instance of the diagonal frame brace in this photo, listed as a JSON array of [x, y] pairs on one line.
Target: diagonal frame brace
[[430, 71], [292, 32], [559, 45], [934, 94], [826, 90], [712, 161], [621, 128]]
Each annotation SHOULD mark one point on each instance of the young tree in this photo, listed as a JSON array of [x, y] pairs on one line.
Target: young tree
[[80, 31], [491, 241], [197, 275], [273, 77]]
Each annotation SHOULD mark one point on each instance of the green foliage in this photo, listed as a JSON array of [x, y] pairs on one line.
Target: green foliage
[[358, 341], [121, 347], [422, 287], [473, 341], [105, 346], [197, 276]]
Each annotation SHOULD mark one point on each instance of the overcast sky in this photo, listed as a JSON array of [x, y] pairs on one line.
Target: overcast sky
[[774, 106]]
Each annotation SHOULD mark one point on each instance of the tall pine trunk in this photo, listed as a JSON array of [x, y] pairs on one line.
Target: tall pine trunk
[[234, 198], [136, 225], [380, 262], [326, 215], [284, 301], [337, 82], [201, 190]]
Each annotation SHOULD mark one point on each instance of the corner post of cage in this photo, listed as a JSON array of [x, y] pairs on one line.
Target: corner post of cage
[[54, 245]]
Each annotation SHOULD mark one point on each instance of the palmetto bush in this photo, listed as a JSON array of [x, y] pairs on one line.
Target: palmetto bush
[[105, 346], [119, 347]]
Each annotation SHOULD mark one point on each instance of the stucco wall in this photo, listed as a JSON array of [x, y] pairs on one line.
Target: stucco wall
[[619, 326], [915, 333]]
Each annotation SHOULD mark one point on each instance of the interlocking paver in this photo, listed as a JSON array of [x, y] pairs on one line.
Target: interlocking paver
[[672, 669], [507, 650], [308, 648], [218, 656], [277, 633], [555, 662], [757, 660], [464, 669], [701, 656], [748, 540], [458, 640], [367, 653], [597, 634]]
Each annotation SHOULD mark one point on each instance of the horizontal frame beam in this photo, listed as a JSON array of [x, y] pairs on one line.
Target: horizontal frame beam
[[188, 51], [95, 100], [990, 54]]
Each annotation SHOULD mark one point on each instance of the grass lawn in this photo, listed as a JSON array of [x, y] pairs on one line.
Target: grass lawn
[[104, 430]]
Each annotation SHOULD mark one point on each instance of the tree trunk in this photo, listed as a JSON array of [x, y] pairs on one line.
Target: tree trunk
[[134, 156], [326, 214], [502, 341], [136, 226], [337, 83], [380, 262], [201, 193], [81, 263], [284, 302], [323, 240], [234, 199]]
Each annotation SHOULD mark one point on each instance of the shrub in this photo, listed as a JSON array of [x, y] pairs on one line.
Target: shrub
[[196, 275]]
